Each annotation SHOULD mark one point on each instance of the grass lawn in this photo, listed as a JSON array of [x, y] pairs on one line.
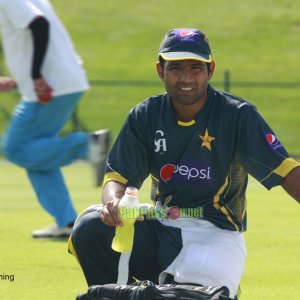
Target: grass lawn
[[118, 40], [43, 269]]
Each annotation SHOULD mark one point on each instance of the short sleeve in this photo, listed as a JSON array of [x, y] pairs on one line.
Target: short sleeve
[[259, 150], [129, 154]]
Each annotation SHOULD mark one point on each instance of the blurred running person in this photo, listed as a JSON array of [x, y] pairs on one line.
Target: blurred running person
[[51, 80]]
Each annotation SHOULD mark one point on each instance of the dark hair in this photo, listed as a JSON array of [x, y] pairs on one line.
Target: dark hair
[[162, 63]]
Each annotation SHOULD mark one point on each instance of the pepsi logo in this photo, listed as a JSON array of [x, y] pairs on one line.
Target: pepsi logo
[[166, 172], [186, 33], [272, 139], [192, 172]]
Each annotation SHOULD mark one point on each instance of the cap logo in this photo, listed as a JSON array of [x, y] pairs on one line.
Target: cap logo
[[186, 33]]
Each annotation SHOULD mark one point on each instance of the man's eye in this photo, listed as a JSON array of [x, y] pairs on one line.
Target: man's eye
[[197, 67]]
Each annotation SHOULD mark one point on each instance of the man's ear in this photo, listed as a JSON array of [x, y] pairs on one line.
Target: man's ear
[[160, 71], [211, 69]]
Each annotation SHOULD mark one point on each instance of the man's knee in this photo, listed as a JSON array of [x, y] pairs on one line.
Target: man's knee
[[89, 231], [8, 150], [84, 231], [90, 243]]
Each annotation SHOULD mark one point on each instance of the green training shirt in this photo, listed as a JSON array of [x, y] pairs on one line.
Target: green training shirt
[[202, 164]]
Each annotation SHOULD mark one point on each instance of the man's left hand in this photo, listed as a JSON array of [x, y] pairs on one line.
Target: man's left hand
[[7, 84]]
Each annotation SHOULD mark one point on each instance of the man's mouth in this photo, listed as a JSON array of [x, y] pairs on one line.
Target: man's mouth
[[186, 89]]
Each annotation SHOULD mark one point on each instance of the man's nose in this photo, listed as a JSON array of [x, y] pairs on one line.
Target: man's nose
[[185, 74]]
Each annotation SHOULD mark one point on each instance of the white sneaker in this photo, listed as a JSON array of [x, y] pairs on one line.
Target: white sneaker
[[53, 231], [98, 151]]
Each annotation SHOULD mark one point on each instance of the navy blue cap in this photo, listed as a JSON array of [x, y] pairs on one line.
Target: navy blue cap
[[185, 43]]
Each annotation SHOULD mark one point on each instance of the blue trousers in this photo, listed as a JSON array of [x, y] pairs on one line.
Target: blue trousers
[[32, 142]]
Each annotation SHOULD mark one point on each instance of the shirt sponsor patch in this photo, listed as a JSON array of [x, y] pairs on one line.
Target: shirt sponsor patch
[[273, 141], [192, 172]]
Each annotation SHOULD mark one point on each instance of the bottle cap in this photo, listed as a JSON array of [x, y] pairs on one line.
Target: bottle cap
[[131, 190]]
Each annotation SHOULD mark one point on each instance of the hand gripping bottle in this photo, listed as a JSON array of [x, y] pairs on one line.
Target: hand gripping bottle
[[128, 212]]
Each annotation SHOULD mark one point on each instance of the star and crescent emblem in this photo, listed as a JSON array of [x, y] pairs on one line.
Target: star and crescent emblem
[[206, 140]]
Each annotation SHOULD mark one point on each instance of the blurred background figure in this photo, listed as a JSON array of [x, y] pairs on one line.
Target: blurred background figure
[[51, 80]]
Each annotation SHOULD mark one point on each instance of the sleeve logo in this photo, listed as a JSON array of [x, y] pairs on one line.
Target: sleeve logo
[[273, 141]]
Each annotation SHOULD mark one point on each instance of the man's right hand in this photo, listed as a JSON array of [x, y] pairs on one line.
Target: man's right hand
[[110, 213]]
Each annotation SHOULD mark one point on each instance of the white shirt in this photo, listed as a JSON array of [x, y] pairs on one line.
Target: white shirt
[[62, 67]]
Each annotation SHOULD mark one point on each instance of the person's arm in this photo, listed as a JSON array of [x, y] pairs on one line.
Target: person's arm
[[40, 33], [291, 183], [112, 193], [7, 84]]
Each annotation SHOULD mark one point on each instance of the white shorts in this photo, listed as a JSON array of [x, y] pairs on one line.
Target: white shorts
[[210, 255]]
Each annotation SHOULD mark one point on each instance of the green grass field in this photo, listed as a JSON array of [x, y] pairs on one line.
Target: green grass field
[[43, 269], [118, 40]]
